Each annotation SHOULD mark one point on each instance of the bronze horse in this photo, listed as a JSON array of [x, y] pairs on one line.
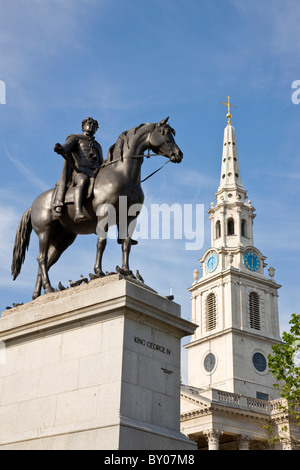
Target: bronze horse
[[120, 175]]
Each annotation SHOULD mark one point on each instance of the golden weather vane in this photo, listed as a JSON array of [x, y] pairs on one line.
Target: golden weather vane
[[229, 116]]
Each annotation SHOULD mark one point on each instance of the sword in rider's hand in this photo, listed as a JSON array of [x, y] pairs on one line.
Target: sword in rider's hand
[[59, 149]]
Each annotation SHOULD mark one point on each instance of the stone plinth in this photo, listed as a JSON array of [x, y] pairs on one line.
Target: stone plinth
[[93, 367]]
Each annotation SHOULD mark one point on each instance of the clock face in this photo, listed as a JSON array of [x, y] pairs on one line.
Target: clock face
[[211, 262], [251, 261]]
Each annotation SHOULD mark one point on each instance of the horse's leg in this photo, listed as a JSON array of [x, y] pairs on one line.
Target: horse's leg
[[102, 229], [57, 246], [38, 285], [101, 244], [126, 247], [126, 244], [44, 243]]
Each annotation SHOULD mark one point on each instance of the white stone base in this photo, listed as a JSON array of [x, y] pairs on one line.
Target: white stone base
[[93, 367]]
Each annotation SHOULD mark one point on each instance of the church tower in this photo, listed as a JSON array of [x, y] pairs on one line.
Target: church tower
[[234, 303]]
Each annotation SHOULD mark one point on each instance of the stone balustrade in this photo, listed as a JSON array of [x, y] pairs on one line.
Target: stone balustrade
[[241, 401]]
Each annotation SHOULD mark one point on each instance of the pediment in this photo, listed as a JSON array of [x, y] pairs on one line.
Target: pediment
[[191, 400]]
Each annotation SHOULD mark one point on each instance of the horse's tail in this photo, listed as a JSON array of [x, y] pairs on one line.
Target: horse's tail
[[21, 243]]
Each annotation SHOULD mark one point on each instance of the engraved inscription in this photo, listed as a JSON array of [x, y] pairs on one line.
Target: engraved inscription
[[151, 345]]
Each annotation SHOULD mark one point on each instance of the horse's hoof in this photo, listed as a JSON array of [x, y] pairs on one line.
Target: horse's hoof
[[49, 290], [35, 295], [124, 271], [120, 271], [131, 275], [97, 274]]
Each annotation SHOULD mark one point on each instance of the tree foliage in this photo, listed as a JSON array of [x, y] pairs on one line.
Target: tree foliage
[[284, 365]]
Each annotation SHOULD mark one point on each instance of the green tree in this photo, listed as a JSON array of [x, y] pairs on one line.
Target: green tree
[[284, 365]]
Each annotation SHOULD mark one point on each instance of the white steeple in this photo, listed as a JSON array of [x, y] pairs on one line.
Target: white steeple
[[230, 173], [231, 217], [234, 302]]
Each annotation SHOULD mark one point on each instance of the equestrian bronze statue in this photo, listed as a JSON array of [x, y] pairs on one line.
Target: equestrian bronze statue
[[85, 202]]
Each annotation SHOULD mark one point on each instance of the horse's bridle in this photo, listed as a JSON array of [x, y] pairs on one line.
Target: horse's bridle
[[140, 156]]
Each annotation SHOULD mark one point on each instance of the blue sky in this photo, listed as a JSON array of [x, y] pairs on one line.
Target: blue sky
[[125, 62]]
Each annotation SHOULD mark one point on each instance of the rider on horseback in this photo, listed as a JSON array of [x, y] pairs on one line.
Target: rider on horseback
[[120, 177], [83, 154]]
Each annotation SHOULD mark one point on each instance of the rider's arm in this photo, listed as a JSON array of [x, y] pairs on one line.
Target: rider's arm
[[67, 147], [70, 143]]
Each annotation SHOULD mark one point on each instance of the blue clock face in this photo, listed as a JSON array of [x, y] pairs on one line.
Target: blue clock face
[[211, 263], [251, 261]]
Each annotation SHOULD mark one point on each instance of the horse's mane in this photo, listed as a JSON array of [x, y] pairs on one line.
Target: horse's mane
[[117, 148]]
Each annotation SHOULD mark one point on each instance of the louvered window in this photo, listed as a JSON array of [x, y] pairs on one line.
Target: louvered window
[[218, 229], [230, 227], [243, 228], [254, 311], [211, 315]]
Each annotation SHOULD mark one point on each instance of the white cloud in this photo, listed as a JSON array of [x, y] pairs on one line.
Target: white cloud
[[25, 171], [264, 44], [40, 23], [276, 22], [36, 33]]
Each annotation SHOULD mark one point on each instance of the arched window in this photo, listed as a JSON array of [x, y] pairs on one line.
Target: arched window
[[230, 227], [211, 312], [218, 229], [243, 228], [254, 310]]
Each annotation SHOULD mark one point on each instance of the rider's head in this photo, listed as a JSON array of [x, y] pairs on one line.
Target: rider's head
[[89, 125]]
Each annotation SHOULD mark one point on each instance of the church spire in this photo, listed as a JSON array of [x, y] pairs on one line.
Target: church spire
[[230, 171], [231, 217]]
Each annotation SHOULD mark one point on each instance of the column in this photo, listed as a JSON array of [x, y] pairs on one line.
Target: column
[[213, 439], [288, 444], [244, 442]]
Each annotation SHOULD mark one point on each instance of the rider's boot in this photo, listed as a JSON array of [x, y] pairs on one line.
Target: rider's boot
[[78, 196]]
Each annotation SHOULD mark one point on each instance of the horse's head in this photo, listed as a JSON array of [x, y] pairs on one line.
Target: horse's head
[[163, 143]]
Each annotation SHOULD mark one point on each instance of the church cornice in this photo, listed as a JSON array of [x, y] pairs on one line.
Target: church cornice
[[234, 275], [229, 331], [222, 410], [232, 205]]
